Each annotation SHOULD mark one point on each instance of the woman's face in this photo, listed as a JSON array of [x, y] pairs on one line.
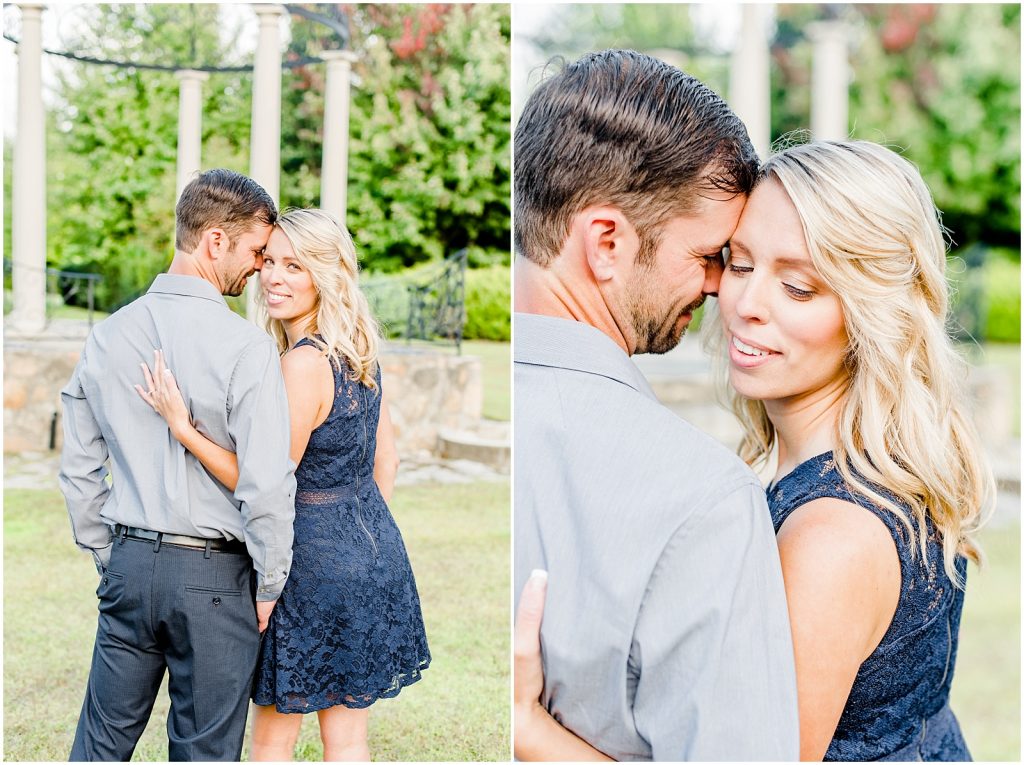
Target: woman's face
[[287, 285], [784, 327]]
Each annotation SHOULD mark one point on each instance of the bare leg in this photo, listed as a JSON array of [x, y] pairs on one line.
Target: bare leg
[[273, 734], [343, 732]]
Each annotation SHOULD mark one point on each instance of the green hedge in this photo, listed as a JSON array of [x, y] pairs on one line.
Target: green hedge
[[1002, 299], [985, 294], [489, 303]]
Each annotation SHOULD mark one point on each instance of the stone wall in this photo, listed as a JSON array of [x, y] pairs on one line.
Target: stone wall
[[426, 390], [34, 373], [430, 390]]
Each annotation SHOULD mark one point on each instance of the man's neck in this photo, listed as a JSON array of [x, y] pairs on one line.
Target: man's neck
[[565, 292], [190, 264]]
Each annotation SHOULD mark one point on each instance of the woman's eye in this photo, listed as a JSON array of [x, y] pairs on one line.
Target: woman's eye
[[738, 269], [797, 292]]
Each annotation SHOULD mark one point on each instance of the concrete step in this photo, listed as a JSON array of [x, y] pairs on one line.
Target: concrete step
[[489, 443]]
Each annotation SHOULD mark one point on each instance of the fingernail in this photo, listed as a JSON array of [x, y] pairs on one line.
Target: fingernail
[[539, 574]]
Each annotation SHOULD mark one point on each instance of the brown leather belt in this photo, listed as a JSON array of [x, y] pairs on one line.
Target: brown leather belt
[[179, 540]]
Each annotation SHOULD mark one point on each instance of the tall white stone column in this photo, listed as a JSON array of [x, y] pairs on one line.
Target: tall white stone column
[[28, 204], [749, 77], [265, 136], [334, 171], [190, 124], [830, 80]]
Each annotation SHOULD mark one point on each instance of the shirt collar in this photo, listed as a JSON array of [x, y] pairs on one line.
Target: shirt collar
[[566, 344], [188, 286]]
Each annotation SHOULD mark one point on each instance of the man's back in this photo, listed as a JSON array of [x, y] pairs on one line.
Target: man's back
[[229, 375], [665, 612]]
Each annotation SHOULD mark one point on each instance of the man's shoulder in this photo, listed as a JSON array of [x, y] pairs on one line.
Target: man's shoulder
[[209, 321], [705, 459], [201, 333], [635, 418]]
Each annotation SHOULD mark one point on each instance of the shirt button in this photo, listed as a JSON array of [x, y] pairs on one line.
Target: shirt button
[[216, 601]]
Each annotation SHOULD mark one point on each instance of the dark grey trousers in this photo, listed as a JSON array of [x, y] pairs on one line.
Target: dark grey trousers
[[178, 610]]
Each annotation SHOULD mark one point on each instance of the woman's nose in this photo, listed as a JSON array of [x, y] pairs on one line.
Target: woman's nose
[[751, 303]]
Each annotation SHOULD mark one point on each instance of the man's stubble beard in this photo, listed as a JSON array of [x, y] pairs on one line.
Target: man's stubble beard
[[655, 325], [236, 288], [234, 284]]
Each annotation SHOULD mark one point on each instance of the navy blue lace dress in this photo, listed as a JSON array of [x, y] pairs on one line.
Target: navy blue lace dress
[[347, 628], [898, 708]]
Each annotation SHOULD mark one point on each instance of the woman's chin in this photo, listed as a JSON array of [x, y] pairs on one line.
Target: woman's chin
[[744, 386], [278, 312]]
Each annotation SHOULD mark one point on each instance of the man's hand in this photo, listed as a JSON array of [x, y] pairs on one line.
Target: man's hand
[[263, 611]]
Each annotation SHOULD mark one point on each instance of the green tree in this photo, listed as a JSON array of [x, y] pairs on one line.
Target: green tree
[[429, 156], [112, 144], [429, 148], [943, 82], [667, 32], [939, 82]]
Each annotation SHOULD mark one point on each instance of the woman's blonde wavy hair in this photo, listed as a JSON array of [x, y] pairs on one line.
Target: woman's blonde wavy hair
[[877, 240], [343, 319]]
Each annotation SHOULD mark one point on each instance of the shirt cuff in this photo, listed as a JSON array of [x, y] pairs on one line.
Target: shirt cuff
[[101, 556], [271, 591]]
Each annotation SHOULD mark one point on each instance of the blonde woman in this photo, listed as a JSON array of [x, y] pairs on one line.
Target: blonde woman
[[832, 330], [347, 629]]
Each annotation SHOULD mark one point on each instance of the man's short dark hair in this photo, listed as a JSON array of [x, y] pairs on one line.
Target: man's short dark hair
[[221, 199], [621, 128]]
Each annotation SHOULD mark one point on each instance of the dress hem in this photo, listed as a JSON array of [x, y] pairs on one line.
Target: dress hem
[[407, 679]]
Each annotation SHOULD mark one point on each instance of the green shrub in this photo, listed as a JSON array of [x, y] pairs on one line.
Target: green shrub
[[985, 293], [1002, 299], [489, 303]]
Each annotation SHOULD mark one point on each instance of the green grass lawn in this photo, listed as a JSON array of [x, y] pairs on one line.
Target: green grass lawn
[[458, 541], [496, 359], [986, 686]]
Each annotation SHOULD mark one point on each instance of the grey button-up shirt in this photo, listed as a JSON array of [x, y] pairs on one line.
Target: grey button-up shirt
[[229, 374], [666, 634]]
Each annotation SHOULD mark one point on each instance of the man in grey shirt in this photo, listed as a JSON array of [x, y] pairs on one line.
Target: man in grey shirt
[[189, 571], [665, 634]]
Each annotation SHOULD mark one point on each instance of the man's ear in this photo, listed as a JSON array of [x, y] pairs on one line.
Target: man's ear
[[216, 241], [609, 241]]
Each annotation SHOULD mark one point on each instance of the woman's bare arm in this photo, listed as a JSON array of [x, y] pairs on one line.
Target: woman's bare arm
[[842, 574], [385, 458], [163, 395], [309, 385]]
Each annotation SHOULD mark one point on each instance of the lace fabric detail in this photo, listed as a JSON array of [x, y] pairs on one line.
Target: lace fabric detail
[[902, 687], [347, 628], [329, 496]]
